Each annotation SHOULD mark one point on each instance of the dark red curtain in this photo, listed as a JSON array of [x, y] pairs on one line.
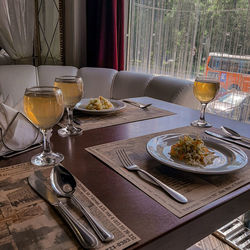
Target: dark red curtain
[[105, 34]]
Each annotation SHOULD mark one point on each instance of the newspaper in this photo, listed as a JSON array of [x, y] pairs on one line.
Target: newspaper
[[28, 222], [199, 189]]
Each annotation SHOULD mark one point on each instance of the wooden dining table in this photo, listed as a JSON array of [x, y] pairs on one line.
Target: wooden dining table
[[157, 227]]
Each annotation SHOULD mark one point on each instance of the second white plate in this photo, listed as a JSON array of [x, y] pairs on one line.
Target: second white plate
[[229, 157], [118, 105]]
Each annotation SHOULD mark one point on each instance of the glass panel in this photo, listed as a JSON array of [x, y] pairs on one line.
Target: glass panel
[[49, 27], [178, 38]]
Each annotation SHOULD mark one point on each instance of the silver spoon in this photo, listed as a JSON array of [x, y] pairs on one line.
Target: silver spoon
[[233, 134], [64, 184]]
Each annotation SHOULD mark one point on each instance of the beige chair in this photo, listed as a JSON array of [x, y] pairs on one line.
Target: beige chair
[[97, 81], [171, 89], [48, 73], [129, 84]]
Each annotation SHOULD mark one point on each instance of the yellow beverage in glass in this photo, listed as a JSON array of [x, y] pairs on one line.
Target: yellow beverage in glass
[[43, 109], [72, 90], [206, 90]]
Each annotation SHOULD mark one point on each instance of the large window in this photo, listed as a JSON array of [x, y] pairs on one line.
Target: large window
[[178, 38]]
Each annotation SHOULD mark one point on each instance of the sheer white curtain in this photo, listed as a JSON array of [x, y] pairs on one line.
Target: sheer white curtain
[[75, 33], [17, 29]]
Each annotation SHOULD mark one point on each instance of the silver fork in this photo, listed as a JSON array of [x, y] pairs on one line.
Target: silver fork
[[139, 105], [128, 164]]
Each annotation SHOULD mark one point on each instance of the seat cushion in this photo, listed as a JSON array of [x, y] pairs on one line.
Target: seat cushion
[[48, 73], [14, 79], [97, 81], [129, 84]]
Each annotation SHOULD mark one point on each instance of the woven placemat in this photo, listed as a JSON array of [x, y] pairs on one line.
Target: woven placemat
[[129, 114], [199, 189], [28, 222]]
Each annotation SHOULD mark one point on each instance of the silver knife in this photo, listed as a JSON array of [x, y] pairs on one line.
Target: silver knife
[[86, 238], [227, 139], [137, 104], [132, 103]]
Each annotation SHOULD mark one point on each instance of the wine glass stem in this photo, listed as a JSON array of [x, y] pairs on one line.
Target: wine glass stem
[[202, 114], [70, 117], [46, 141]]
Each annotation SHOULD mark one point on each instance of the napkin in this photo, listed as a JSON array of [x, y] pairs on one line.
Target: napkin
[[18, 105], [17, 132]]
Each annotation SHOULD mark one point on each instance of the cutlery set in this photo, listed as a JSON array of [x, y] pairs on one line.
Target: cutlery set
[[239, 141], [129, 165], [85, 238], [64, 185]]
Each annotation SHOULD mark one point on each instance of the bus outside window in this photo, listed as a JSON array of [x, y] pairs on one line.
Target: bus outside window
[[232, 70]]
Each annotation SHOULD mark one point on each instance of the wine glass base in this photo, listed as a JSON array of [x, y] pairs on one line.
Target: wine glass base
[[47, 159], [201, 124], [64, 132]]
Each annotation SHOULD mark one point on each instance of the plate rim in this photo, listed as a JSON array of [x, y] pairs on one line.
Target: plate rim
[[103, 111], [198, 170]]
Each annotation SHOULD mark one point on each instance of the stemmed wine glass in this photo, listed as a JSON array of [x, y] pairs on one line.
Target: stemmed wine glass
[[44, 107], [205, 89], [72, 89]]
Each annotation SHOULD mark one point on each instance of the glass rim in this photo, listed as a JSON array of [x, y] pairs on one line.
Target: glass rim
[[67, 78], [39, 88], [207, 78]]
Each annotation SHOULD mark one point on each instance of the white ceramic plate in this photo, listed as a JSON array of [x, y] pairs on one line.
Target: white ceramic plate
[[229, 157], [118, 105]]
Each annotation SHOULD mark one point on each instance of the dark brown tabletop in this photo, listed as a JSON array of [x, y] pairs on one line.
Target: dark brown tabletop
[[155, 225]]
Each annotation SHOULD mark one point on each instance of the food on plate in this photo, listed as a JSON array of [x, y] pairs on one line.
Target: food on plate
[[99, 103], [192, 151]]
